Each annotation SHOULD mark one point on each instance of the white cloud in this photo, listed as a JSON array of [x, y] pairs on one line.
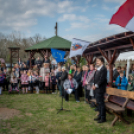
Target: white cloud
[[73, 17], [106, 8], [102, 19], [94, 5], [87, 1], [115, 1], [20, 14], [77, 25]]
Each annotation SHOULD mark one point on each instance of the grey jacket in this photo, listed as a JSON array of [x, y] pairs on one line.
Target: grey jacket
[[67, 84]]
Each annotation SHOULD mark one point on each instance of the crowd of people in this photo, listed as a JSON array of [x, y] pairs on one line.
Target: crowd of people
[[49, 75], [89, 81], [119, 77]]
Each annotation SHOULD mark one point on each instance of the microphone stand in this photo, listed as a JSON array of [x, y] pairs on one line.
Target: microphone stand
[[62, 109]]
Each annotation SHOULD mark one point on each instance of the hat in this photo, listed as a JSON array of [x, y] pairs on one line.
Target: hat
[[70, 71]]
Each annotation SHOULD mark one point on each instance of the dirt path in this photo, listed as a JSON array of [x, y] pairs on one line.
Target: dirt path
[[6, 113]]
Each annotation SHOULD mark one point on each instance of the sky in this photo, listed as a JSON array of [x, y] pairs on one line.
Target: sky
[[82, 19]]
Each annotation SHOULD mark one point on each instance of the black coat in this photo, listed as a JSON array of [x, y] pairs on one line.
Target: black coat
[[39, 63], [77, 77], [64, 76], [100, 78], [58, 77], [115, 74], [33, 62]]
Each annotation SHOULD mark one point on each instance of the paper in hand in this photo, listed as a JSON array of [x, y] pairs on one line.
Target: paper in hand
[[69, 91]]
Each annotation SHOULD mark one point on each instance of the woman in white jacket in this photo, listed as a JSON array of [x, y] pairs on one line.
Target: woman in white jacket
[[45, 69]]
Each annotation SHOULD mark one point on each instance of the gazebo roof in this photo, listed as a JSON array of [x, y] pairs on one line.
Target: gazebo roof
[[53, 42], [124, 42], [14, 48]]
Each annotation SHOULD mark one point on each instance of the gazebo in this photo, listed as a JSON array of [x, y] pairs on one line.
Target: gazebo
[[110, 48], [44, 47]]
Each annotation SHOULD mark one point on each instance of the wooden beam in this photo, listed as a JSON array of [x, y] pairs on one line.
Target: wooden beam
[[47, 53], [113, 48], [109, 55], [14, 54], [131, 40], [110, 41], [90, 59], [113, 57], [42, 52], [103, 54], [78, 59], [116, 56], [11, 59]]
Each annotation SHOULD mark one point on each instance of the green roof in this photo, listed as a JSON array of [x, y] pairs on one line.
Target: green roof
[[54, 42]]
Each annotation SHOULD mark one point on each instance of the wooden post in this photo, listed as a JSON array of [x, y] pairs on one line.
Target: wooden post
[[18, 55], [11, 59], [111, 58], [110, 68], [89, 58], [78, 59], [30, 61], [47, 53], [31, 56], [111, 75]]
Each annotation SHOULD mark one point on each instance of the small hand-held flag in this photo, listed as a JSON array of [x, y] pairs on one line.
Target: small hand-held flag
[[58, 55], [125, 16]]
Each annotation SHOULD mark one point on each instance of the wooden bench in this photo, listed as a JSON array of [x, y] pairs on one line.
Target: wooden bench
[[117, 101]]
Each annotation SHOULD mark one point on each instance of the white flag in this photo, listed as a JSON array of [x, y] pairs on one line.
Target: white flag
[[78, 47]]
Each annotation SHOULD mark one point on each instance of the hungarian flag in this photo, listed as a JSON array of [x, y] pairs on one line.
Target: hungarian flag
[[125, 16]]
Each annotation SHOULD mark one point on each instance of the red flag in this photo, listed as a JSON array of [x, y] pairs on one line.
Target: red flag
[[125, 16]]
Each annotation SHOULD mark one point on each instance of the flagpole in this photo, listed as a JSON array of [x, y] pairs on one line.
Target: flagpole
[[82, 40]]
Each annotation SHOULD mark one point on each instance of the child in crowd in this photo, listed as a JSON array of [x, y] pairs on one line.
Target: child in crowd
[[31, 80], [36, 82], [47, 77], [6, 79], [130, 83], [124, 70], [53, 82], [14, 81], [121, 81], [28, 74], [24, 81], [1, 81]]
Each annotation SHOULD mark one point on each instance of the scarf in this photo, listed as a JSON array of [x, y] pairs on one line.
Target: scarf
[[84, 79], [71, 82]]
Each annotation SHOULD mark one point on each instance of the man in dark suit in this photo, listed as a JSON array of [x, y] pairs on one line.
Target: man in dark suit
[[100, 83]]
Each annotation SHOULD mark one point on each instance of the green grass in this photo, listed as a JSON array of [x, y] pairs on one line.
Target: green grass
[[38, 115]]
